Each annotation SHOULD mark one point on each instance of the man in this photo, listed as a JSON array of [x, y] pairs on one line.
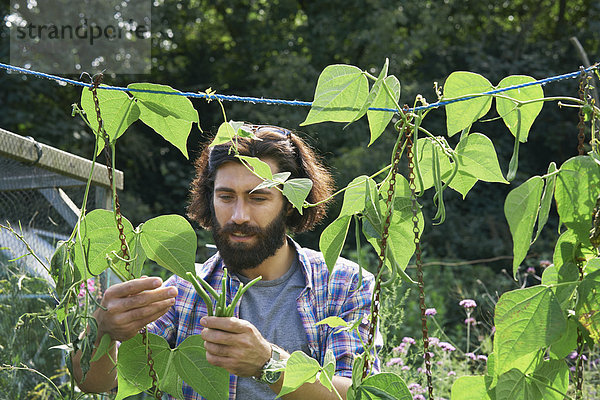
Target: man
[[276, 316]]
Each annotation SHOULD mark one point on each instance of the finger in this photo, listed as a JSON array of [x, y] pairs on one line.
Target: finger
[[134, 286], [228, 324], [217, 349], [144, 315], [120, 304], [217, 336]]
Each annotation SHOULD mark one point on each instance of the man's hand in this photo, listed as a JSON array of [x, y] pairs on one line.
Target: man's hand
[[235, 344], [132, 305]]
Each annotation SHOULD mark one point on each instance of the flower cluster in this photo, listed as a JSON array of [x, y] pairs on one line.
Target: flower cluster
[[467, 303]]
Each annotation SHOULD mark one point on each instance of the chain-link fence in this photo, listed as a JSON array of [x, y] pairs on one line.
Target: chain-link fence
[[41, 194]]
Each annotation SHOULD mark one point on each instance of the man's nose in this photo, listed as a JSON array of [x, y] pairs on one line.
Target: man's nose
[[240, 212]]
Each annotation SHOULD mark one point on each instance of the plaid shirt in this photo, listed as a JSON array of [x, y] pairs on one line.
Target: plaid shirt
[[325, 295]]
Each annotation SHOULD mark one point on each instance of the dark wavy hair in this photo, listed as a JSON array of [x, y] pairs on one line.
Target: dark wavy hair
[[287, 150]]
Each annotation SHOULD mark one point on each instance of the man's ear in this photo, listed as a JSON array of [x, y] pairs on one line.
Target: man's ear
[[290, 209]]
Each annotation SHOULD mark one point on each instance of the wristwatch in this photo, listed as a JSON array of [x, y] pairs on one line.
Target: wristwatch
[[271, 371]]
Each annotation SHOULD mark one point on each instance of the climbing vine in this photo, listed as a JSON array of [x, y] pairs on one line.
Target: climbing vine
[[535, 327]]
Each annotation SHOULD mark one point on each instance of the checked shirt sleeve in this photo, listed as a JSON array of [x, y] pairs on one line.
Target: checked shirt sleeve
[[350, 302]]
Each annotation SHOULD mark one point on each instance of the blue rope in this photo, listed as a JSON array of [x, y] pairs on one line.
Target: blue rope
[[262, 100]]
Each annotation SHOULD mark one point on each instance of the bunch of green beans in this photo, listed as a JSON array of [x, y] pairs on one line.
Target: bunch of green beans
[[222, 309]]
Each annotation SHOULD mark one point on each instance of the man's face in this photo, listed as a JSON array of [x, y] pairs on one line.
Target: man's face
[[247, 227]]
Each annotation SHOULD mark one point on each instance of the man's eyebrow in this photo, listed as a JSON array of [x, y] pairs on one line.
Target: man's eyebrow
[[262, 192]]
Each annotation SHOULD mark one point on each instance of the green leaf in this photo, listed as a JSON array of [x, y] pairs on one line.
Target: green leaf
[[401, 235], [326, 375], [225, 134], [341, 91], [133, 364], [461, 114], [372, 211], [470, 388], [592, 265], [137, 253], [261, 168], [372, 93], [126, 388], [529, 112], [425, 158], [357, 369], [171, 241], [514, 384], [477, 157], [387, 385], [171, 116], [563, 273], [379, 120], [299, 369], [577, 188], [297, 190], [102, 348], [546, 202], [117, 109], [354, 196], [526, 320], [588, 305], [521, 208], [333, 322], [567, 342], [190, 362], [332, 240], [100, 237]]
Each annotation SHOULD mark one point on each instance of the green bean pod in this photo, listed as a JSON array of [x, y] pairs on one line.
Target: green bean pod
[[209, 289], [238, 296], [513, 165], [438, 198], [415, 151], [358, 251], [202, 293]]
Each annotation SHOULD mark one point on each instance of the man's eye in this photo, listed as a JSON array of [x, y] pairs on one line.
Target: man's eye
[[259, 199], [225, 197]]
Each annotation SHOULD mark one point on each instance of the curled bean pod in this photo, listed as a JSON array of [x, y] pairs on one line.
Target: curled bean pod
[[238, 296], [513, 165], [202, 293], [438, 198]]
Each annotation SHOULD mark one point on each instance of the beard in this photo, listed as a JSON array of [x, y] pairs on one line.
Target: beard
[[243, 256]]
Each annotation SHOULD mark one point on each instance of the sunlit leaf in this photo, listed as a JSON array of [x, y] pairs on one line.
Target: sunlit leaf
[[462, 114], [190, 362], [296, 191], [259, 167], [529, 112], [225, 134], [341, 91], [171, 241], [354, 196], [526, 321], [577, 188], [470, 388], [477, 157], [171, 116], [379, 120], [299, 369], [588, 304], [333, 238], [521, 209]]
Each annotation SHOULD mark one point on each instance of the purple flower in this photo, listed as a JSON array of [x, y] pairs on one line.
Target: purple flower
[[430, 311], [572, 369], [408, 340], [420, 370], [446, 346], [531, 270], [418, 397], [394, 361], [481, 357], [400, 349], [471, 356], [467, 303], [451, 373], [573, 355], [430, 353], [545, 263], [415, 388], [405, 368], [433, 341], [470, 320]]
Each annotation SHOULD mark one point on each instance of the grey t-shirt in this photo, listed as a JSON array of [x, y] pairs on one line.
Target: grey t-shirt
[[271, 307]]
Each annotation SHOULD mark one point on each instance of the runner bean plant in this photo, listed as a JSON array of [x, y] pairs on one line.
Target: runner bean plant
[[535, 327]]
